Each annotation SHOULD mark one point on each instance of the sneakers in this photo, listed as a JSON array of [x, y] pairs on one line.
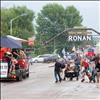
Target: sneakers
[[56, 81], [59, 81], [64, 79], [82, 80]]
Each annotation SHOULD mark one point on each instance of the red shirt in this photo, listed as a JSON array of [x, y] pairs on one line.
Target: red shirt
[[85, 64]]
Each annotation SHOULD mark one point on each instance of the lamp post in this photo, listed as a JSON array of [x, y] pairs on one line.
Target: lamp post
[[24, 14]]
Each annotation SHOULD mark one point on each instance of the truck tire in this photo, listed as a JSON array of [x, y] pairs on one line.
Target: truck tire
[[20, 76], [27, 75]]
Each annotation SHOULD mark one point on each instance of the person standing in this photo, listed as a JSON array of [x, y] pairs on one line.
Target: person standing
[[85, 71], [57, 70], [77, 63], [97, 68], [92, 71], [97, 72]]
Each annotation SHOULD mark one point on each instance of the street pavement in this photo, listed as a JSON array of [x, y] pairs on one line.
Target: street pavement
[[41, 86]]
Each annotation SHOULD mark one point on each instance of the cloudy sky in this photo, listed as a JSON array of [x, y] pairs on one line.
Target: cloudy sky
[[90, 10]]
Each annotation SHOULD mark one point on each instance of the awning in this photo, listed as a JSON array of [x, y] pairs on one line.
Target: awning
[[16, 38], [7, 42]]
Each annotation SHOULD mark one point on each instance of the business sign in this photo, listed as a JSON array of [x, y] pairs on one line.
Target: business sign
[[3, 70], [79, 38]]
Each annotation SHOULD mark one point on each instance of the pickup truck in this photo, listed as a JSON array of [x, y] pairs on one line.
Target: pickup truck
[[20, 72]]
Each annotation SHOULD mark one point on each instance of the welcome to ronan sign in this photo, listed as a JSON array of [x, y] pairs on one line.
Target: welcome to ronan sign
[[79, 38]]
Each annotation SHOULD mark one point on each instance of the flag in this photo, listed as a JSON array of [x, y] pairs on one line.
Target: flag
[[63, 51], [55, 51], [74, 49]]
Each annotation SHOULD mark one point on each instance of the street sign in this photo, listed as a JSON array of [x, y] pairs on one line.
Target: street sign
[[79, 38]]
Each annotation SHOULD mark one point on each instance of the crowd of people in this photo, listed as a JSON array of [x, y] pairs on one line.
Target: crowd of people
[[84, 68]]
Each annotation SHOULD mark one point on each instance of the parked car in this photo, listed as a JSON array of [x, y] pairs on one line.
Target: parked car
[[51, 57], [38, 59], [44, 58]]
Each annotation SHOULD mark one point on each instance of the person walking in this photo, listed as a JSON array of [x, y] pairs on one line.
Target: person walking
[[57, 70]]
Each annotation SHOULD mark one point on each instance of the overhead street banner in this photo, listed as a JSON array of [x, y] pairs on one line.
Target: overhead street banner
[[79, 38]]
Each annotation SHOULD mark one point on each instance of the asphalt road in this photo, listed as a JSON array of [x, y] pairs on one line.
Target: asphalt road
[[41, 85]]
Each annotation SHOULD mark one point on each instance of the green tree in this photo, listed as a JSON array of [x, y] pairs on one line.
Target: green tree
[[52, 20], [21, 27], [72, 17]]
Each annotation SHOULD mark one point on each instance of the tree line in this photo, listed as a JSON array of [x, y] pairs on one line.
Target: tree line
[[51, 20]]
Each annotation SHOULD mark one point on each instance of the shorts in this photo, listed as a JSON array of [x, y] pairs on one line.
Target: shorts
[[98, 73]]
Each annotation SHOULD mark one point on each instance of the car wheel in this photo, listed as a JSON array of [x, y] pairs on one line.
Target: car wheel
[[27, 75]]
